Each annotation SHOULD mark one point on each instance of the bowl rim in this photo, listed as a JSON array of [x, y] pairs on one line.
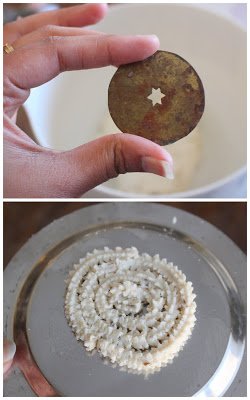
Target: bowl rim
[[205, 8]]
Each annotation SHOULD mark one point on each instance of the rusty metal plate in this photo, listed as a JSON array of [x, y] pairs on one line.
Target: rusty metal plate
[[161, 98]]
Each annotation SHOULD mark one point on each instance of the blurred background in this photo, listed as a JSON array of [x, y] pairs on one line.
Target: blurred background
[[212, 37], [13, 10], [22, 220]]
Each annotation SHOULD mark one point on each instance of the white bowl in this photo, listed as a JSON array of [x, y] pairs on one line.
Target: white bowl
[[69, 110]]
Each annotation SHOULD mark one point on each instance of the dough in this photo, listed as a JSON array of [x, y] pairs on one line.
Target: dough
[[135, 310]]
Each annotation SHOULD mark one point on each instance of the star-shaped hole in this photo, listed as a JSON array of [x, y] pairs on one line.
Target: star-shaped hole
[[156, 96]]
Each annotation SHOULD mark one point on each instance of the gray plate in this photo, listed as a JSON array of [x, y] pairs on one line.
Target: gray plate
[[51, 362]]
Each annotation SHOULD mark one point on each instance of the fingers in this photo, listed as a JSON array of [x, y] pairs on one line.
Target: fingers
[[94, 163], [82, 15], [48, 31], [39, 173], [40, 62], [9, 349]]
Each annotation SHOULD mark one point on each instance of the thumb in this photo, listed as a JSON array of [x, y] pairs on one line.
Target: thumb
[[95, 162], [9, 349]]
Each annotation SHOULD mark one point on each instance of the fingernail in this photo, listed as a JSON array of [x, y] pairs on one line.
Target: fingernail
[[151, 37], [9, 349], [168, 169], [158, 167]]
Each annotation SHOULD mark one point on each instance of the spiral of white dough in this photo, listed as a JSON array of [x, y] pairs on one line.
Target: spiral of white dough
[[136, 310]]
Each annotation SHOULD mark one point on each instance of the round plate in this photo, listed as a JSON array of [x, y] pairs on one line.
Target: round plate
[[160, 98], [51, 362]]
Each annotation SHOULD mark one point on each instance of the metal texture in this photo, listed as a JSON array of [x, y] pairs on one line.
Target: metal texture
[[51, 362], [178, 111]]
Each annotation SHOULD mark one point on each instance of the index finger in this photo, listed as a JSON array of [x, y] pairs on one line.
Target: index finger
[[76, 16], [41, 61]]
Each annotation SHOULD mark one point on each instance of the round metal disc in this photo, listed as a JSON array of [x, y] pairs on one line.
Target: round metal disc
[[160, 98], [50, 361]]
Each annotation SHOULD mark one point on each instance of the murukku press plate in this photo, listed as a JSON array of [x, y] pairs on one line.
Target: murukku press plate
[[161, 98], [49, 360]]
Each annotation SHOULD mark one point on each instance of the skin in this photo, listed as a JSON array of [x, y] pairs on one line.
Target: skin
[[9, 349], [45, 45]]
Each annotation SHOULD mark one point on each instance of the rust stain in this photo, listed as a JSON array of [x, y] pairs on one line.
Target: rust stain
[[181, 108]]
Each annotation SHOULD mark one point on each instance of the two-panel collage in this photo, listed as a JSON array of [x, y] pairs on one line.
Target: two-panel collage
[[124, 200]]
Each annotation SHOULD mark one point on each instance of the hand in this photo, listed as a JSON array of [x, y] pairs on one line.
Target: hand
[[9, 349], [45, 45]]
